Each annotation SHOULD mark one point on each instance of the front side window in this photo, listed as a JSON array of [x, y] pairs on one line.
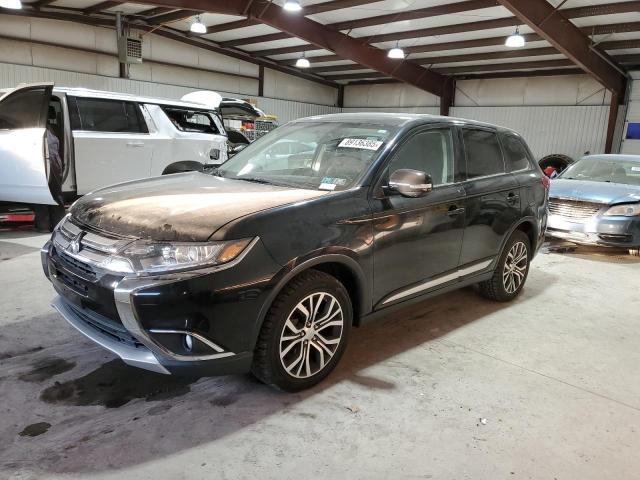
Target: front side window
[[22, 110], [191, 121], [604, 170], [482, 149], [515, 153], [431, 152], [111, 116], [314, 155]]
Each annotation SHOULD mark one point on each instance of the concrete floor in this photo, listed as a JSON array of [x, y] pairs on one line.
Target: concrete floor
[[547, 387]]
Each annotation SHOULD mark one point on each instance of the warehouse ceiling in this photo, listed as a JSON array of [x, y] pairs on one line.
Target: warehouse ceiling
[[441, 39]]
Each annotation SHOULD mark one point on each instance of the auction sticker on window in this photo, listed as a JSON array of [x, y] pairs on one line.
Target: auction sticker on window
[[360, 143]]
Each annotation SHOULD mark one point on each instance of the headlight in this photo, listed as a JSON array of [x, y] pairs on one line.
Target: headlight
[[626, 210], [149, 257]]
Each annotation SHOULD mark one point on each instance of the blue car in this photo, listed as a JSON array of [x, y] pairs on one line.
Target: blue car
[[596, 201]]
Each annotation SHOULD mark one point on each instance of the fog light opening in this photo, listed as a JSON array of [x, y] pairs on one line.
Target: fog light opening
[[188, 343]]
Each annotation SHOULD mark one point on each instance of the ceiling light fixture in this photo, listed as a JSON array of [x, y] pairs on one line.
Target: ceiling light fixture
[[302, 62], [197, 26], [396, 52], [292, 6], [516, 40], [12, 4]]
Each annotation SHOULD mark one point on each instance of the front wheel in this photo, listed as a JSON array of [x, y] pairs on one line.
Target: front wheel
[[512, 270], [304, 333]]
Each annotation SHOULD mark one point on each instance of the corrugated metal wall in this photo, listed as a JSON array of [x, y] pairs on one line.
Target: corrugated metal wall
[[567, 129], [570, 130], [12, 75], [429, 110]]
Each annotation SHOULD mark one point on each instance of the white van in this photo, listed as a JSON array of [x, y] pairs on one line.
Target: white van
[[101, 138]]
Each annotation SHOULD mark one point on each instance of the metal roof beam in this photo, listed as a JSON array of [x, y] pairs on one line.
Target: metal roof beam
[[169, 17], [474, 57], [380, 19], [321, 36], [624, 27], [631, 59], [553, 26], [101, 6], [308, 10], [447, 9]]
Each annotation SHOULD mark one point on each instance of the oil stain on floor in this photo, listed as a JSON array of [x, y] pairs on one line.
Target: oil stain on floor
[[114, 384], [35, 429], [46, 368]]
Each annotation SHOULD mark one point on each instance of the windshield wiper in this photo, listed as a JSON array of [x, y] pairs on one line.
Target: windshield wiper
[[254, 180]]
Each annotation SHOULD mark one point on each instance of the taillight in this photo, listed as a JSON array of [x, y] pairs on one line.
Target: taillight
[[546, 182]]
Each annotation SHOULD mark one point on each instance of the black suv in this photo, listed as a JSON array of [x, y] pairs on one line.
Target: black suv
[[327, 222]]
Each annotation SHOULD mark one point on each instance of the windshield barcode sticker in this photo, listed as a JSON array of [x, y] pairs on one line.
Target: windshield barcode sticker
[[360, 143]]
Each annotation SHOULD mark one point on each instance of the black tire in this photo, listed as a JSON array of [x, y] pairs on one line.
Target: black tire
[[267, 364], [497, 287]]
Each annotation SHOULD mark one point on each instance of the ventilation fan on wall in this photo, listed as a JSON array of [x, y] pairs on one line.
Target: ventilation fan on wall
[[129, 50]]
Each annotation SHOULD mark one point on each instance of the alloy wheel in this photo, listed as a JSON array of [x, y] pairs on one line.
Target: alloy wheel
[[311, 335], [515, 267]]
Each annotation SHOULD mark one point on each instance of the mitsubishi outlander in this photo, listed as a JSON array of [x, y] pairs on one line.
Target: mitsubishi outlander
[[267, 262]]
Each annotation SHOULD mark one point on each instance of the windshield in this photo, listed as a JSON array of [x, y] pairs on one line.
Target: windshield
[[604, 170], [311, 155]]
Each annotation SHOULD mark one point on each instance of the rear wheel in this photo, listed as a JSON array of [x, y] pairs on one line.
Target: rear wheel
[[304, 333], [511, 272]]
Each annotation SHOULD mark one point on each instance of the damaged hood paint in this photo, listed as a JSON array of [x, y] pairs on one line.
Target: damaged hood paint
[[181, 207]]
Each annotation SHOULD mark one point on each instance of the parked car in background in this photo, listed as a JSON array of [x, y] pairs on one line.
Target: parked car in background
[[265, 264], [59, 143], [596, 201]]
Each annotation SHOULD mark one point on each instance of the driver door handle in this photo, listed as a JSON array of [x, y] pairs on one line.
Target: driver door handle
[[454, 211]]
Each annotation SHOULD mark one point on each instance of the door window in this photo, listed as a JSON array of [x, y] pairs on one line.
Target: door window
[[515, 152], [114, 116], [22, 110], [430, 151], [482, 149]]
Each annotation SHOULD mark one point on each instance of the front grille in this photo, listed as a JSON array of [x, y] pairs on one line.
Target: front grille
[[105, 325], [573, 209], [76, 266]]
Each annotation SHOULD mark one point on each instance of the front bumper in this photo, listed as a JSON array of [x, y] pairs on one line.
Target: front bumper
[[145, 320], [613, 231]]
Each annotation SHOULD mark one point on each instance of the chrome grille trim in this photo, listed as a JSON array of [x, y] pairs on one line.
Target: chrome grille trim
[[573, 209], [94, 248]]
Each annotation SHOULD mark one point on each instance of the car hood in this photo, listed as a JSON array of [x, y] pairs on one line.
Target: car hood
[[598, 192], [180, 207]]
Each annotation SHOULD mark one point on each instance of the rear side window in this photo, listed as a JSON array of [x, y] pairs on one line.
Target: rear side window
[[191, 121], [516, 156], [484, 156], [114, 116], [22, 110], [431, 152]]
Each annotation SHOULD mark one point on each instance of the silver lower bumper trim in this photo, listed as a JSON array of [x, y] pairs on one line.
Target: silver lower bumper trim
[[136, 357]]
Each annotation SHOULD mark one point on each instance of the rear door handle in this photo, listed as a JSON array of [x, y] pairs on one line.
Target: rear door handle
[[454, 211], [135, 144]]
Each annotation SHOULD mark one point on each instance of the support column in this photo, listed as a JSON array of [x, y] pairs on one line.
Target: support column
[[448, 97], [611, 125], [261, 81]]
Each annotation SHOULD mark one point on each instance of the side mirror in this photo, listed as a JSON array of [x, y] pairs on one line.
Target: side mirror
[[410, 183]]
